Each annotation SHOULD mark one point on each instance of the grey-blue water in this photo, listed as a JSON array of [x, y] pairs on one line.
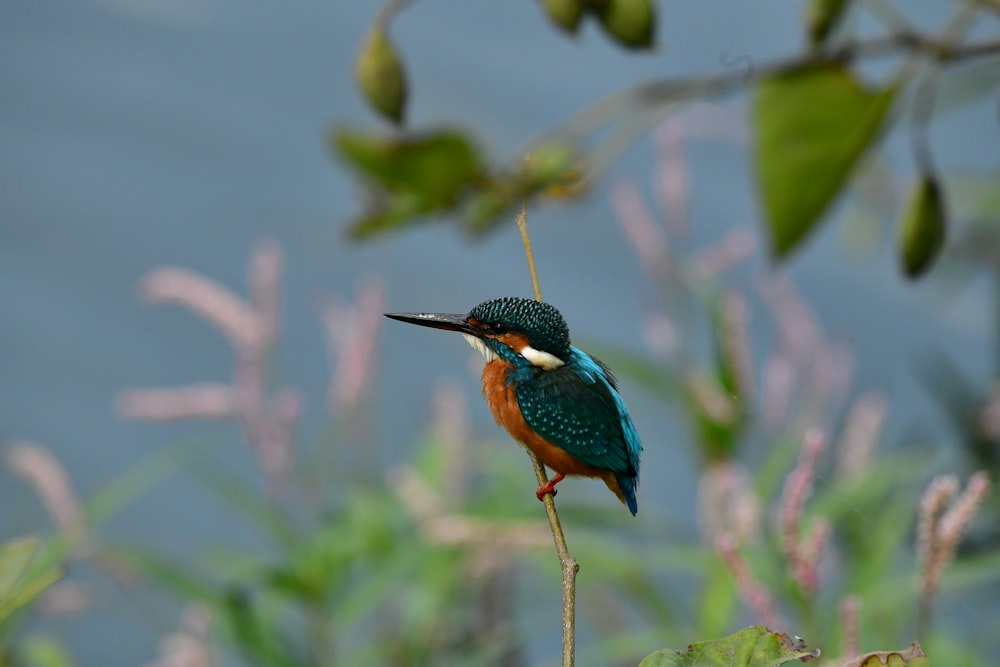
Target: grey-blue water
[[138, 133]]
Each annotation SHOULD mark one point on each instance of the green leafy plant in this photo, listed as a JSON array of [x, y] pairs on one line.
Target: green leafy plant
[[813, 121], [20, 584]]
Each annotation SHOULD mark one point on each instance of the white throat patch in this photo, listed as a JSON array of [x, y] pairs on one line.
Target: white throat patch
[[541, 359], [481, 346]]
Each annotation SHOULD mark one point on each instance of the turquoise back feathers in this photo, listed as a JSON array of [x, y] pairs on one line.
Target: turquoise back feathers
[[578, 408]]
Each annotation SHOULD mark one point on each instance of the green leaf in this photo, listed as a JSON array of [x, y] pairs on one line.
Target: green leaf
[[258, 638], [752, 647], [15, 555], [718, 418], [717, 601], [811, 124], [19, 582], [733, 361], [922, 233], [409, 177], [31, 589]]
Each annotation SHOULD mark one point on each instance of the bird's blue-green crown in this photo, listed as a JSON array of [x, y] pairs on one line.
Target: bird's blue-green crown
[[540, 322]]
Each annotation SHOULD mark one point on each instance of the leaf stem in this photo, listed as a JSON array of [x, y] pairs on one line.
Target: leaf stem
[[568, 564]]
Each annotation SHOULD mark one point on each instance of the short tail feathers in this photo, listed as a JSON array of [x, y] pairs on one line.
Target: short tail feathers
[[624, 487], [628, 485]]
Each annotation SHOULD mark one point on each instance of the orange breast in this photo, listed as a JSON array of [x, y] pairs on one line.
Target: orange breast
[[503, 403]]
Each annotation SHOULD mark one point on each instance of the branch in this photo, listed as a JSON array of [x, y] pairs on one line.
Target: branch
[[656, 93], [569, 565]]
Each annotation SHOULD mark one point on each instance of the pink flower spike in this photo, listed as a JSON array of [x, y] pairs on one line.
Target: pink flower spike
[[779, 382], [752, 591], [860, 435], [672, 177], [353, 345], [932, 506], [797, 489], [200, 401], [209, 300], [265, 288], [940, 529], [736, 247], [47, 476], [451, 429], [850, 607], [648, 240], [727, 504], [798, 328]]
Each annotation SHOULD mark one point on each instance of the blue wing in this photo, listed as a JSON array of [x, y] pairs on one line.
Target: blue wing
[[578, 408]]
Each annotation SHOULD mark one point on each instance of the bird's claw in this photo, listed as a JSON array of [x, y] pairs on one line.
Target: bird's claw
[[544, 489], [549, 487]]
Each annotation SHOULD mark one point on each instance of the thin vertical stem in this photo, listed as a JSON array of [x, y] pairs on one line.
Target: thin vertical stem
[[522, 225], [569, 565]]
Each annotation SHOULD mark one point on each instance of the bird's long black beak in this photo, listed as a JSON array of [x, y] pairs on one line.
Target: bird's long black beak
[[444, 321]]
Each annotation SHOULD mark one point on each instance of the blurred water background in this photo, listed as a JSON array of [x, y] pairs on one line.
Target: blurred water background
[[141, 133]]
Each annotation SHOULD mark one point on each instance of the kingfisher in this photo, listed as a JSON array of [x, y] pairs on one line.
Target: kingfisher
[[556, 400]]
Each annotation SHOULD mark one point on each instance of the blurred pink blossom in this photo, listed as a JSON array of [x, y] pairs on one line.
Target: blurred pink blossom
[[672, 175], [778, 389], [727, 503], [207, 299], [807, 372], [352, 336], [860, 435], [451, 429], [201, 401], [265, 288], [66, 598], [661, 334], [754, 594], [672, 180], [47, 476], [190, 645], [648, 239], [803, 551], [736, 247], [252, 328], [941, 523], [850, 607]]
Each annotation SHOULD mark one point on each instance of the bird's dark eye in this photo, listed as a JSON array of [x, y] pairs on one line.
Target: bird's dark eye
[[499, 328]]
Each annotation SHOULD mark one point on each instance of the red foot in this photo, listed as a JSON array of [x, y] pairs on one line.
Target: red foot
[[549, 487]]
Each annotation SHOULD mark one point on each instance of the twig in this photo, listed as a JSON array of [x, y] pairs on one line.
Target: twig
[[609, 109], [569, 565], [522, 225]]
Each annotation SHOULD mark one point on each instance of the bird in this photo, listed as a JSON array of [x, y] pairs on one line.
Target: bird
[[556, 400]]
